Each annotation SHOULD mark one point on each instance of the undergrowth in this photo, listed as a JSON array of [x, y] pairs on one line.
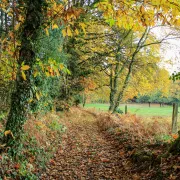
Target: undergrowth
[[37, 145], [146, 142], [146, 130]]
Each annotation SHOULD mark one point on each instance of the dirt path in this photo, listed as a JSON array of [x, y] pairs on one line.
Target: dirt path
[[86, 153]]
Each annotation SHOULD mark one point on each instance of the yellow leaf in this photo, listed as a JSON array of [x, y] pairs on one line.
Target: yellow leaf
[[57, 73], [35, 73], [50, 69], [16, 27], [47, 32], [8, 132], [68, 16], [69, 33], [23, 75], [25, 67], [55, 26], [64, 32], [142, 9], [10, 14], [30, 100], [20, 18], [77, 32], [61, 66], [37, 96], [83, 27], [47, 74]]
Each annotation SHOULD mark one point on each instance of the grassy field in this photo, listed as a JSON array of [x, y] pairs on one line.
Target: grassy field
[[139, 109]]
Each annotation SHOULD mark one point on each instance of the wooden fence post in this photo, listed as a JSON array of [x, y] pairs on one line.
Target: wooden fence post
[[174, 118], [126, 109]]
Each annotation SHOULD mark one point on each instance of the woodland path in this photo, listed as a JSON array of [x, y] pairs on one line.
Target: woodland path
[[86, 153]]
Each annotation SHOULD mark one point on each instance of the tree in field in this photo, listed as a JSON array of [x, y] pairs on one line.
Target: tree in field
[[175, 90], [146, 16], [155, 81]]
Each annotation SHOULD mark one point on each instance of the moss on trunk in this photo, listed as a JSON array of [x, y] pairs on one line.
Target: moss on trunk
[[30, 30]]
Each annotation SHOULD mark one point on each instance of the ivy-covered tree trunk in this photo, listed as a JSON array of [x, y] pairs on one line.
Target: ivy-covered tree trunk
[[30, 30]]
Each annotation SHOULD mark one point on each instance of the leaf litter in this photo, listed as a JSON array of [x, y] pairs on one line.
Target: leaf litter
[[91, 149]]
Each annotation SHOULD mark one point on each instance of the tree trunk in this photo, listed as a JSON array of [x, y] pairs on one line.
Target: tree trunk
[[112, 93], [175, 147], [120, 95], [130, 67], [174, 118], [126, 109], [114, 84], [84, 99], [35, 13]]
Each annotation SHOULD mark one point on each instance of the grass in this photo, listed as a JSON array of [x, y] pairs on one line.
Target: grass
[[138, 109]]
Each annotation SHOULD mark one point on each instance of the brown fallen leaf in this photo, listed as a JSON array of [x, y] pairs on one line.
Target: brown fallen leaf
[[135, 177], [121, 153], [17, 166], [104, 160], [176, 167], [52, 162], [61, 151], [172, 177]]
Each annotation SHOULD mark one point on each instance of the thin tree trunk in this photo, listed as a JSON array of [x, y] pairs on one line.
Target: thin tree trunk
[[120, 95], [139, 46], [84, 99], [174, 118], [111, 97], [114, 84], [126, 109]]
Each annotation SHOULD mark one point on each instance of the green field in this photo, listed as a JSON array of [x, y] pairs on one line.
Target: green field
[[139, 109]]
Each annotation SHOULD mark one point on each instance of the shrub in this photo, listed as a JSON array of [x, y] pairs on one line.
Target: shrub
[[119, 111]]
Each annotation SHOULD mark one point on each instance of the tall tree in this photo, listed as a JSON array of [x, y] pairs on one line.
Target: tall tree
[[35, 13]]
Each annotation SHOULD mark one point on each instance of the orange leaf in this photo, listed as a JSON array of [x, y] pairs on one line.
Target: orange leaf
[[174, 136], [17, 166], [53, 162]]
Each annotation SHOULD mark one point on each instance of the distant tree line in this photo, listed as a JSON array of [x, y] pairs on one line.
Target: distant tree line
[[156, 97]]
